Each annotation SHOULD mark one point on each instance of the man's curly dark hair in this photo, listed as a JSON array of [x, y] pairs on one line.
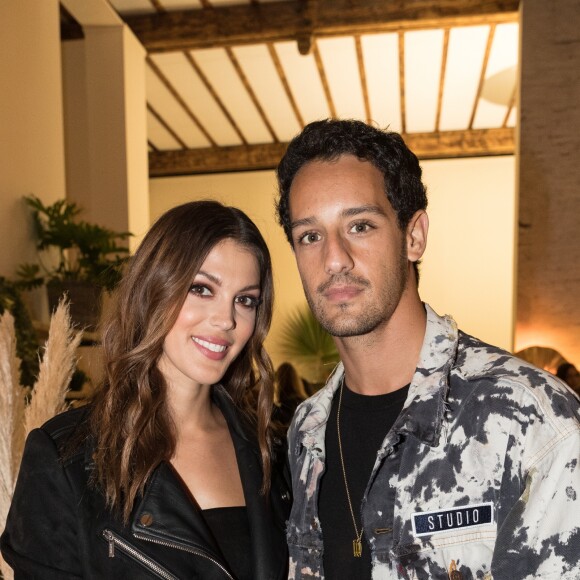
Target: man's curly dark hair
[[329, 139]]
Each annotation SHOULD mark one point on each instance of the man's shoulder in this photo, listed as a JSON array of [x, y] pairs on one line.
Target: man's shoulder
[[478, 359], [479, 363]]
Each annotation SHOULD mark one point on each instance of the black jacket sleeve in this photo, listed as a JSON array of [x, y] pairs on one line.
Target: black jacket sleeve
[[41, 536]]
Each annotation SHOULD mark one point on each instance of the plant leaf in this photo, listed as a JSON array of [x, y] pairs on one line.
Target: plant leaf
[[307, 345]]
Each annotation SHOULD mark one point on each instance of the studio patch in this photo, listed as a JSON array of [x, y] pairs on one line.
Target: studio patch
[[468, 516]]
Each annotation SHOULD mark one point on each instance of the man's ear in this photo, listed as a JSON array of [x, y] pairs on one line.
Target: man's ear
[[417, 230]]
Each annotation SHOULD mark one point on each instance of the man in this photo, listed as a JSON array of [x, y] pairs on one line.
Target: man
[[428, 454]]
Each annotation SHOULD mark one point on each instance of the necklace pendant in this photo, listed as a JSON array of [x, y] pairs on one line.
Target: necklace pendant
[[357, 548]]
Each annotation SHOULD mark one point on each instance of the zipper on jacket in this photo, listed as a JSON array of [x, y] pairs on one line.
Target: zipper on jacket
[[185, 549], [115, 541]]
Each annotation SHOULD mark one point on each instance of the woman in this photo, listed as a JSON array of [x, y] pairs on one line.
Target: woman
[[171, 472]]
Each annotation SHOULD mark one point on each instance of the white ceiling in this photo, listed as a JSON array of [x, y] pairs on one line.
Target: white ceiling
[[458, 78]]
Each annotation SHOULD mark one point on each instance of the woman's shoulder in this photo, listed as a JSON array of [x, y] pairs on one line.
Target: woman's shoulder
[[65, 423], [68, 428]]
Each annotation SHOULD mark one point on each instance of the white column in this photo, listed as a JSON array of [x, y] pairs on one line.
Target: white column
[[107, 169]]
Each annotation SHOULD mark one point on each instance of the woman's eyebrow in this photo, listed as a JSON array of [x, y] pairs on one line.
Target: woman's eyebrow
[[211, 277], [216, 280]]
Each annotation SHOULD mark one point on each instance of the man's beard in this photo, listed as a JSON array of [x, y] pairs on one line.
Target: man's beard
[[372, 315]]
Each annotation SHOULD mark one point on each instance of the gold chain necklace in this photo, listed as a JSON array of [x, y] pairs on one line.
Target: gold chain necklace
[[357, 542]]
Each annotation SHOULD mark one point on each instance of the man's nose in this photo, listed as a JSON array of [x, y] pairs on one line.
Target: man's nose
[[338, 257]]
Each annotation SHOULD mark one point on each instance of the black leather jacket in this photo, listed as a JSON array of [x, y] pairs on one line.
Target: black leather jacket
[[59, 527]]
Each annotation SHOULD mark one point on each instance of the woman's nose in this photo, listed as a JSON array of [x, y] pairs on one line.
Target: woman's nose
[[222, 315]]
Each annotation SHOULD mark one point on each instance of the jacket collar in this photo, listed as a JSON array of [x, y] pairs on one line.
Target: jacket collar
[[167, 514], [424, 408]]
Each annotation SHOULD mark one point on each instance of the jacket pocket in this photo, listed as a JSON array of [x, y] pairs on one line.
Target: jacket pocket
[[460, 555], [304, 562]]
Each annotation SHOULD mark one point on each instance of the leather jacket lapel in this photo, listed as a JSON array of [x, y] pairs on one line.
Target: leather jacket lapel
[[166, 513]]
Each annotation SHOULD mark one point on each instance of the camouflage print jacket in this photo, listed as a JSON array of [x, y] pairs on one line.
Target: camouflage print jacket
[[478, 478]]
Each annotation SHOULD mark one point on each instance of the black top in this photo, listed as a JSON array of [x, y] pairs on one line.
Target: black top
[[231, 530], [364, 423]]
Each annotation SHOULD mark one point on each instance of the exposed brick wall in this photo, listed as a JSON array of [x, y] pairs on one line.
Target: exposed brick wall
[[548, 276]]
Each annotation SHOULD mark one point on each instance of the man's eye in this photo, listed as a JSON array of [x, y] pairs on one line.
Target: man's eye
[[199, 290], [360, 228], [309, 238], [248, 301]]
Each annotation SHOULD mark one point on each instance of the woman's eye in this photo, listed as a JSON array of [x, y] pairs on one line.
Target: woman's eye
[[309, 238], [199, 290], [248, 301]]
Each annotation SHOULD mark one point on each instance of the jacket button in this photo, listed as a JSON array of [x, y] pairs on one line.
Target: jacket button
[[286, 496], [146, 519]]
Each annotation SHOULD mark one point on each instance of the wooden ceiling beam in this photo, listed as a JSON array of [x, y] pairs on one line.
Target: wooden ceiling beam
[[445, 144], [298, 19]]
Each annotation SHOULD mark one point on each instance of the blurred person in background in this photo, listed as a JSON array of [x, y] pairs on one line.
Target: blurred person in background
[[570, 375], [289, 393]]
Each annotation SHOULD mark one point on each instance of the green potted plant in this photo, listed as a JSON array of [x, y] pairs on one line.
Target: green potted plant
[[26, 339], [308, 346], [88, 259]]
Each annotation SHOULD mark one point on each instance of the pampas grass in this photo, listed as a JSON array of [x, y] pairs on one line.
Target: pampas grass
[[46, 399], [56, 370], [11, 419]]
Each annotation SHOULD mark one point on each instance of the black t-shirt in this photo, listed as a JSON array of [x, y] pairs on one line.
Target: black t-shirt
[[364, 423]]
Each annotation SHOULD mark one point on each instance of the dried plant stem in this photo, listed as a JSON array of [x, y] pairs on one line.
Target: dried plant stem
[[56, 369], [11, 421], [47, 398]]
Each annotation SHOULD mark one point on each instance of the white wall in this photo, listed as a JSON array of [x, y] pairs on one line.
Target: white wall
[[468, 268], [469, 264], [31, 134]]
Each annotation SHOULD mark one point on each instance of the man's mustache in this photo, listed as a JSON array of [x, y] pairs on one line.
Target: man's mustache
[[343, 280]]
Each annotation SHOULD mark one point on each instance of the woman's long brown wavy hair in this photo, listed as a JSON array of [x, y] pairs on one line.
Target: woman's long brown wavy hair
[[130, 419]]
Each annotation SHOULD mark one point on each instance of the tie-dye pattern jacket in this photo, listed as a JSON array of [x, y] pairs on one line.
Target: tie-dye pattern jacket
[[479, 477]]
